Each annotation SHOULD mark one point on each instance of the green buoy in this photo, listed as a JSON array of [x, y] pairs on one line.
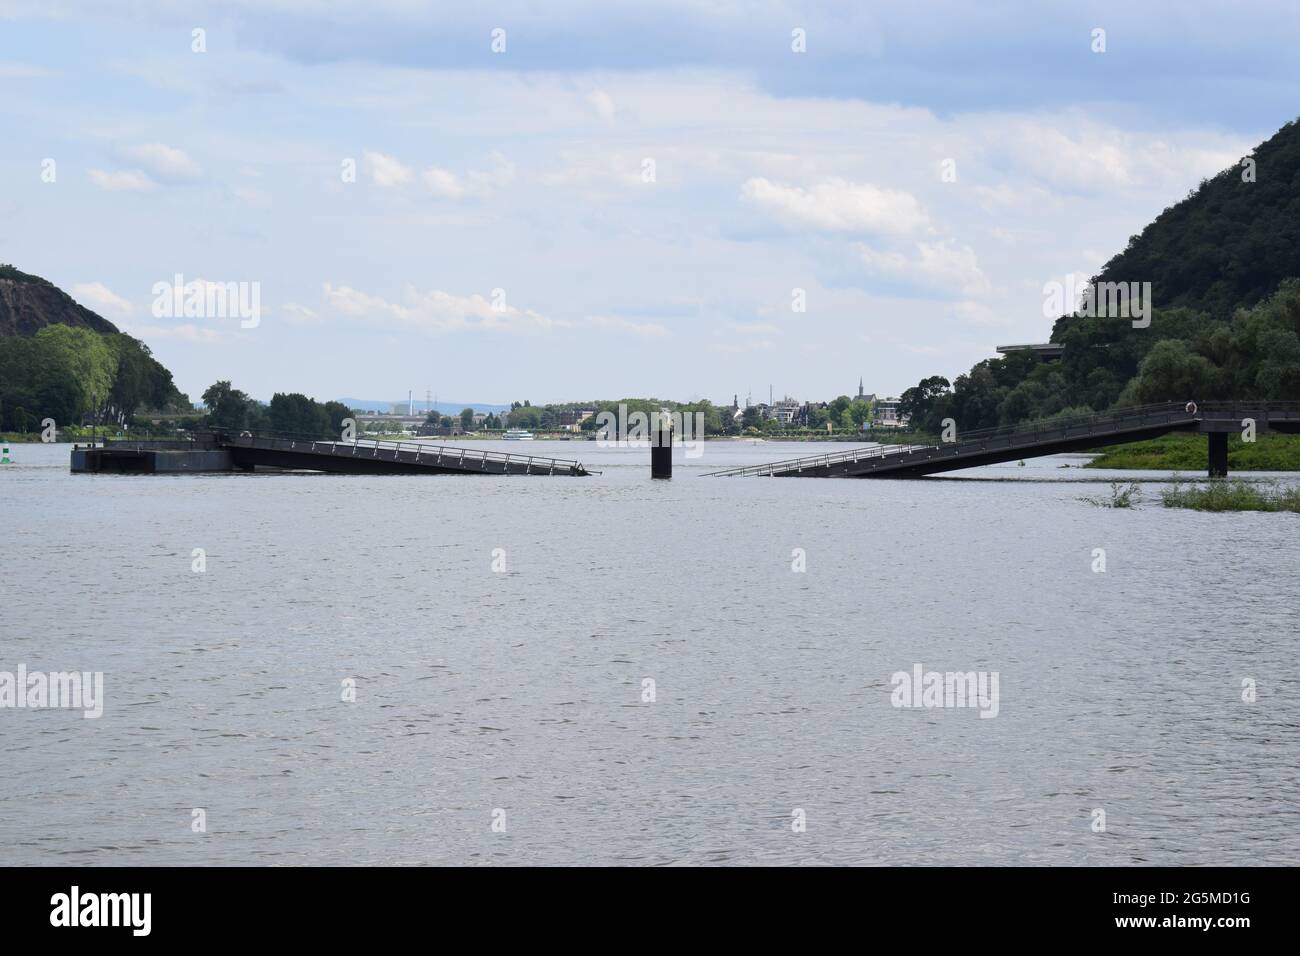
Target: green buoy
[[4, 455]]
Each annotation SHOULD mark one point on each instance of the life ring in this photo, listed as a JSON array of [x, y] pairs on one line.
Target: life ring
[[1191, 408]]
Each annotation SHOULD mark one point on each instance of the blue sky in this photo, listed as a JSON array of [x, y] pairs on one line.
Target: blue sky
[[524, 171]]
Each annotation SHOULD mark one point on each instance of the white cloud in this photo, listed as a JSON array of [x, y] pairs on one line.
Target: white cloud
[[253, 197], [437, 311], [24, 71], [740, 348], [1077, 154], [643, 329], [390, 172], [443, 183], [977, 313], [122, 181], [480, 183], [100, 298], [940, 268], [603, 104], [187, 332], [164, 162], [296, 314], [385, 170], [837, 205], [754, 328]]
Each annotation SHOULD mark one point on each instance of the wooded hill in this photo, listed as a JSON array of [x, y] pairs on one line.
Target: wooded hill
[[1223, 266], [59, 360]]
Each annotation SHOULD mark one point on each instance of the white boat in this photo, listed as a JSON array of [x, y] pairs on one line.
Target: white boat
[[518, 434]]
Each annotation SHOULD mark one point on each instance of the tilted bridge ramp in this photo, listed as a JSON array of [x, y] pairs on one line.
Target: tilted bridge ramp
[[386, 457], [1035, 439]]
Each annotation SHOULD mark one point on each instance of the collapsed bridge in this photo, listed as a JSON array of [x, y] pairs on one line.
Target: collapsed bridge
[[245, 451], [1034, 439]]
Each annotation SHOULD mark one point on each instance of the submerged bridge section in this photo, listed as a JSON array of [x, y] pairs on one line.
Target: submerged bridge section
[[1035, 439], [245, 452]]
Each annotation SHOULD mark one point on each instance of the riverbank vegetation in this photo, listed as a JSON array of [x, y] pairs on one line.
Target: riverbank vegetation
[[1233, 495], [1190, 452]]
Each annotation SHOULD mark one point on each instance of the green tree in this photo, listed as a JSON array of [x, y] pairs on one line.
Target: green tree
[[922, 401], [230, 409], [1173, 372], [293, 413], [337, 412]]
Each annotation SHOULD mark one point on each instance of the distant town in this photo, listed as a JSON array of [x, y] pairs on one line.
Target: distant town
[[785, 416]]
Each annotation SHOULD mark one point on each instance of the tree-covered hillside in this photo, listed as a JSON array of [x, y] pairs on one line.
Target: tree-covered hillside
[[61, 361], [1231, 242], [1223, 267]]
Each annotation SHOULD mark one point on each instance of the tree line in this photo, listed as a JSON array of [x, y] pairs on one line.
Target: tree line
[[69, 374], [288, 413]]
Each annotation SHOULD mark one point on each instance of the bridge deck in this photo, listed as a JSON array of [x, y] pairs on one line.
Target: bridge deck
[[991, 446], [225, 451], [374, 456]]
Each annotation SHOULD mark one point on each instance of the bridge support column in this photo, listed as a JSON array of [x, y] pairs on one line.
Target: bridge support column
[[1218, 454], [661, 448]]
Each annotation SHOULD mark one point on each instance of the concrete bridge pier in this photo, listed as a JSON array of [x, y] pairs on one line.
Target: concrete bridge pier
[[1218, 454]]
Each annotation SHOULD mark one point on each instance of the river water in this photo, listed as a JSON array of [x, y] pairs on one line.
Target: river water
[[615, 670]]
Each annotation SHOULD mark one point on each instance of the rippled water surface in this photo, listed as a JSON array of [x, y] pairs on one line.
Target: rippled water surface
[[522, 690]]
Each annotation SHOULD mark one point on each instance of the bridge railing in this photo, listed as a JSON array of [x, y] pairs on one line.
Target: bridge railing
[[1022, 433], [817, 461], [1157, 413], [288, 441], [1152, 414]]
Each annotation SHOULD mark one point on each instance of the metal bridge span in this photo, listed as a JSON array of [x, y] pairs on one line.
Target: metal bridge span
[[1035, 439]]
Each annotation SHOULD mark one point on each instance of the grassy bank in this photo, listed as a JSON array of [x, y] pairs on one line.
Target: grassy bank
[[1186, 452], [1235, 495]]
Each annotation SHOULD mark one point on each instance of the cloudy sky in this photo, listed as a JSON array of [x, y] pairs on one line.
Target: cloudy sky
[[621, 198]]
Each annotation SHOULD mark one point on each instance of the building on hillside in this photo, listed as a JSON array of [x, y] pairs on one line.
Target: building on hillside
[[1044, 352]]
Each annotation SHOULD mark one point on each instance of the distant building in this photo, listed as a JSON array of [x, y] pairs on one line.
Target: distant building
[[887, 414], [1044, 352], [426, 430], [784, 411], [572, 418], [805, 415]]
